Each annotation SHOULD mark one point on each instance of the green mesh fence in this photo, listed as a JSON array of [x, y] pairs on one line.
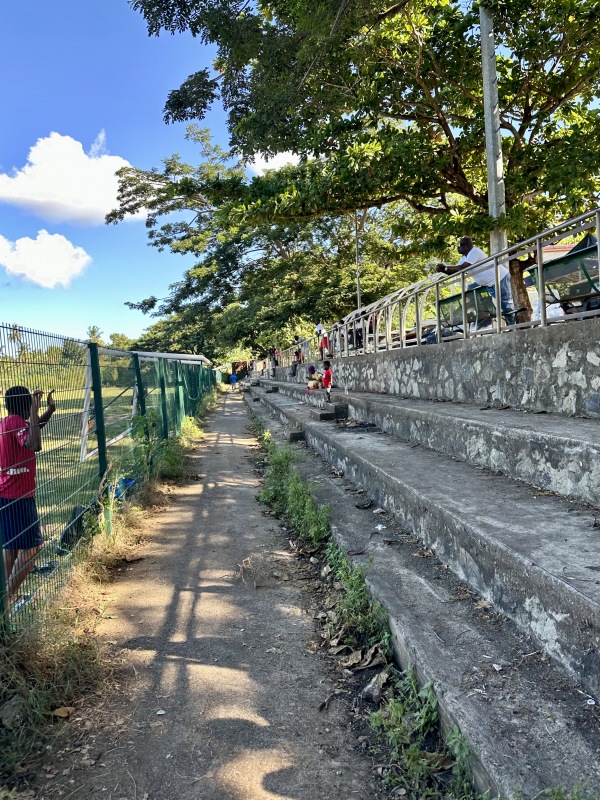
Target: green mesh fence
[[91, 401]]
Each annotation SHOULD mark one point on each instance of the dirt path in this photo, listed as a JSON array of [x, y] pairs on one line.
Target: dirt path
[[228, 664]]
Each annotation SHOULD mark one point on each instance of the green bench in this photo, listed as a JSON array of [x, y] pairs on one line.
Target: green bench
[[573, 280], [480, 309]]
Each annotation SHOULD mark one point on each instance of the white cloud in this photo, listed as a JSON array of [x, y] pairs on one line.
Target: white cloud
[[63, 183], [261, 164], [48, 260], [98, 147]]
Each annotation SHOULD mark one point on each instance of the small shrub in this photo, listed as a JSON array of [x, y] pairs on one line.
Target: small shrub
[[169, 461], [190, 431]]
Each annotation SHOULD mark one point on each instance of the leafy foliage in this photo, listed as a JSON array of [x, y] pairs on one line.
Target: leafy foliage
[[253, 285], [386, 98]]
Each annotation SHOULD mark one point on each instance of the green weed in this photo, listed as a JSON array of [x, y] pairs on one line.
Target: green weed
[[366, 618]]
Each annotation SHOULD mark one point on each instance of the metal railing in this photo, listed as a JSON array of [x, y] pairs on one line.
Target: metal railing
[[89, 449], [441, 307]]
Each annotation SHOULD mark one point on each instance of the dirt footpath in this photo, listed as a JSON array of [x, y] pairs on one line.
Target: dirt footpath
[[224, 697]]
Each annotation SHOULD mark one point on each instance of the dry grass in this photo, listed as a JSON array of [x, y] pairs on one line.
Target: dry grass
[[58, 662]]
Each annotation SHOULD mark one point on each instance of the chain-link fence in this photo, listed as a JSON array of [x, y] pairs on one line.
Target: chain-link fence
[[73, 417]]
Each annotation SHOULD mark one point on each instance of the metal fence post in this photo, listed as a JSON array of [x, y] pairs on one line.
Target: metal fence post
[[4, 616], [179, 397], [98, 409], [163, 398], [140, 385]]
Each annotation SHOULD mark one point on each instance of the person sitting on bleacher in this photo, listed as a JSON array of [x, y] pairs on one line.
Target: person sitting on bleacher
[[485, 276]]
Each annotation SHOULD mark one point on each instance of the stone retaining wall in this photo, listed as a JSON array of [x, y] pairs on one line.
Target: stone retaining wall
[[554, 369]]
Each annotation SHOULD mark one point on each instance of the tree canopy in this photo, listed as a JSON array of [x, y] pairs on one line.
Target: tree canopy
[[383, 102], [253, 285]]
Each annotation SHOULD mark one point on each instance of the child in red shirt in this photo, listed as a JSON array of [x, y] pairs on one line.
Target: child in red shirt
[[20, 440], [327, 379]]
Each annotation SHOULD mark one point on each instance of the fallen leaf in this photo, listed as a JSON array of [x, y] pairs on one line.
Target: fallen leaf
[[374, 688], [483, 604], [337, 649], [355, 552], [378, 511], [63, 712], [354, 658]]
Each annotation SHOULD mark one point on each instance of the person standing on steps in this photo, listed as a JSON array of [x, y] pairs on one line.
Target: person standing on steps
[[233, 381], [20, 440], [485, 276], [327, 379]]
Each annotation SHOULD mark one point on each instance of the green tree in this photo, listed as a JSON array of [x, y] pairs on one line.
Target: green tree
[[94, 335], [383, 103], [255, 284], [120, 342]]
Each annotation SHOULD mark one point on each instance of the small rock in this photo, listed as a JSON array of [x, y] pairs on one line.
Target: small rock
[[12, 713]]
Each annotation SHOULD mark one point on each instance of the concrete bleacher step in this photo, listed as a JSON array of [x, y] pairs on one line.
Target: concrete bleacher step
[[555, 453], [321, 415], [533, 555], [524, 719]]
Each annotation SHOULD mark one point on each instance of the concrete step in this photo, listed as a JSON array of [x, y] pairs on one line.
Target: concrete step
[[534, 556], [558, 454], [527, 725], [321, 415]]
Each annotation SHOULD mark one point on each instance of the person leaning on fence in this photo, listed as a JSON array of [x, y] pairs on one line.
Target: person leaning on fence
[[20, 440], [486, 276]]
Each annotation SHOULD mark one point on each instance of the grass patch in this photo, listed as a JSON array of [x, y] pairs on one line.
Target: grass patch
[[366, 619], [419, 762], [56, 661]]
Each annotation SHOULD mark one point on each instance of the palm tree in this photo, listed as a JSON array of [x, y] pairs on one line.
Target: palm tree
[[15, 337], [94, 335]]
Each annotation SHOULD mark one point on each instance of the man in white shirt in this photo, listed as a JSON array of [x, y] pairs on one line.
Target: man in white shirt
[[483, 276]]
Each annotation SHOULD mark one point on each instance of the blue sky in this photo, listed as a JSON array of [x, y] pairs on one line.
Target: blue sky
[[82, 92]]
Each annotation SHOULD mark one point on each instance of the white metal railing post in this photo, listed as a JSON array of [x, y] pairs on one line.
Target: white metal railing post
[[598, 241], [417, 318], [463, 281], [400, 324], [541, 282], [498, 294], [388, 326], [438, 321]]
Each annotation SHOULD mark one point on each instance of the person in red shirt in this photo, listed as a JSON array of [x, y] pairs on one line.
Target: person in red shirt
[[20, 440], [327, 379]]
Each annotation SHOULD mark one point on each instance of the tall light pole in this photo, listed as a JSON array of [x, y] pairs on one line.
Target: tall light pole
[[493, 141], [358, 302]]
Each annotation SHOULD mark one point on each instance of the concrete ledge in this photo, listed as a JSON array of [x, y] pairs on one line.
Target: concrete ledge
[[525, 735], [555, 453], [534, 557], [321, 416]]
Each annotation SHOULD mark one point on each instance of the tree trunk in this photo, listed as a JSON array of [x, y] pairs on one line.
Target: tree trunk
[[519, 290]]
